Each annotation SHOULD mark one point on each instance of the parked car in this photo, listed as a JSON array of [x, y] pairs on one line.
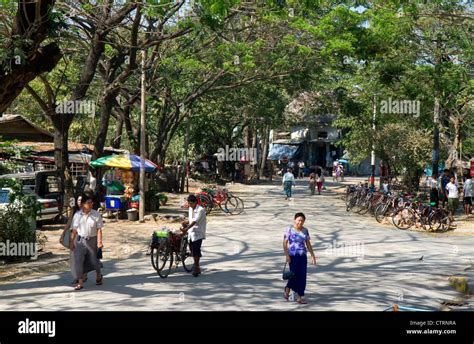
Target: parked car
[[44, 185]]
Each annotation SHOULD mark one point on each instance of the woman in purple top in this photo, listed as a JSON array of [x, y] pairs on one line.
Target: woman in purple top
[[296, 243]]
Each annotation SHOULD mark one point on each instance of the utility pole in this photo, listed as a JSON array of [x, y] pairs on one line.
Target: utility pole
[[186, 158], [372, 160], [141, 213]]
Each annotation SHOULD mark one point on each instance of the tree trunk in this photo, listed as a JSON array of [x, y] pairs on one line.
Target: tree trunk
[[14, 82], [31, 27], [435, 154], [105, 112], [61, 124], [254, 146], [117, 140], [264, 155]]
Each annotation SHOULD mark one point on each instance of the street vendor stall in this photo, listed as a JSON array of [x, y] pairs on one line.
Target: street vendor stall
[[121, 180]]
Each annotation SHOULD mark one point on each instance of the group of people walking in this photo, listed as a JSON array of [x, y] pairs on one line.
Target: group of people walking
[[315, 180], [83, 236]]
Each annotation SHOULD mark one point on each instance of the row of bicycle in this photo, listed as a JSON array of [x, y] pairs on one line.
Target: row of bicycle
[[211, 198], [403, 210]]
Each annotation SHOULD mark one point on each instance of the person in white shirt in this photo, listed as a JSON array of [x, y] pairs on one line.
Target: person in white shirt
[[385, 186], [92, 179], [301, 166], [87, 228], [468, 192], [432, 184], [196, 226], [288, 181], [453, 197]]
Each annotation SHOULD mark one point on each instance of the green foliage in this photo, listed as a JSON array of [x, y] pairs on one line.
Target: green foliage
[[17, 219]]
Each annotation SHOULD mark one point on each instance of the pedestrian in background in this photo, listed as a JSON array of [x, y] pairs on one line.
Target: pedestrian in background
[[288, 182]]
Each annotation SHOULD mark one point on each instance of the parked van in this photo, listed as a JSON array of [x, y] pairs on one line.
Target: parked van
[[44, 185]]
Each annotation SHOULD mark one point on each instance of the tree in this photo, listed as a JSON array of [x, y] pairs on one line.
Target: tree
[[23, 56]]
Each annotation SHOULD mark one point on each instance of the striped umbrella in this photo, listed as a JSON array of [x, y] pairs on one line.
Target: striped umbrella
[[125, 162]]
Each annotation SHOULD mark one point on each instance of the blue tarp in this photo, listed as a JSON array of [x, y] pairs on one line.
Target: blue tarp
[[429, 171], [278, 151]]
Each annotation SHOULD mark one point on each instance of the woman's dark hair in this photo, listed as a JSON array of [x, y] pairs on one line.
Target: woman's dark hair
[[85, 197], [300, 215]]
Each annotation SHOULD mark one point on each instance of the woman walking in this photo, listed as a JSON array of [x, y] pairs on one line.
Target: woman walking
[[312, 182], [320, 182], [66, 239], [86, 240], [296, 243], [288, 182]]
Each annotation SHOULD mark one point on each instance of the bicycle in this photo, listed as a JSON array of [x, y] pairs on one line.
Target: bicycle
[[170, 248], [210, 198]]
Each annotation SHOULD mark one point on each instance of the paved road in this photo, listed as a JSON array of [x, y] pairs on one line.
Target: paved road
[[361, 266]]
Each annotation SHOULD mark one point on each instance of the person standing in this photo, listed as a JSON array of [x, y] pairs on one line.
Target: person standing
[[320, 182], [196, 226], [87, 228], [468, 192], [442, 182], [301, 166], [92, 179], [432, 184], [296, 243], [385, 186], [453, 198], [288, 182], [312, 182]]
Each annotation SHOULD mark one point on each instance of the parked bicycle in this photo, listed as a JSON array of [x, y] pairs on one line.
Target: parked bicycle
[[219, 198], [404, 210]]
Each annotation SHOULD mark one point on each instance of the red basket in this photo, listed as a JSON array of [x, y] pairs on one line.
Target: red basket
[[134, 205]]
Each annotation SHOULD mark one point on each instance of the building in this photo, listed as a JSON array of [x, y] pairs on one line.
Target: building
[[37, 147], [309, 136]]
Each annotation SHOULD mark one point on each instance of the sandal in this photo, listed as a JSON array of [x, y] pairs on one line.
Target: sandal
[[78, 287], [302, 301], [286, 295], [99, 281]]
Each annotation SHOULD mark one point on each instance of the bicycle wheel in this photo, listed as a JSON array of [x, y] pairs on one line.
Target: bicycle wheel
[[364, 209], [186, 256], [404, 218], [380, 212], [234, 205], [444, 220], [153, 253], [435, 220], [163, 256]]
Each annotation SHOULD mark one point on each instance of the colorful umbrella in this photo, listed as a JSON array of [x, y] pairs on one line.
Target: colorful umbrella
[[124, 162]]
